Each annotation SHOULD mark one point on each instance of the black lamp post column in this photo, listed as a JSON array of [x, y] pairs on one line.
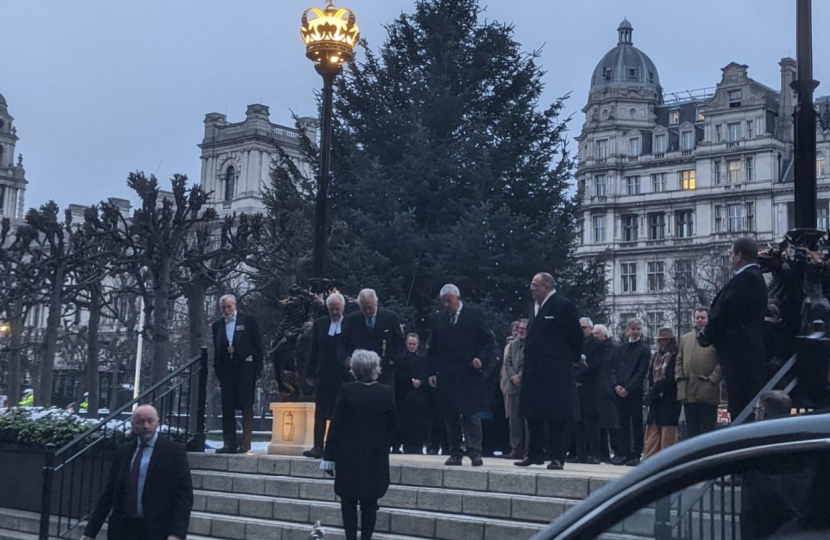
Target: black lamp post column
[[805, 121], [324, 176]]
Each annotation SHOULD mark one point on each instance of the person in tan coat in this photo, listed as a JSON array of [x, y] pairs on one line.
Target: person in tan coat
[[510, 386], [699, 377]]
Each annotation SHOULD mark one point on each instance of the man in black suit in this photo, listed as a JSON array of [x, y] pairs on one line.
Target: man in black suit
[[325, 368], [373, 328], [628, 376], [237, 361], [460, 347], [736, 327], [586, 429], [548, 392], [149, 491]]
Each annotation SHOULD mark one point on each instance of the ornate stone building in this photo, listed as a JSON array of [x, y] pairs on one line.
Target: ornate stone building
[[12, 176], [236, 158], [667, 181]]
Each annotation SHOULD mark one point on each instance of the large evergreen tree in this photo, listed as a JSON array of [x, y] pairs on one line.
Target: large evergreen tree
[[448, 167]]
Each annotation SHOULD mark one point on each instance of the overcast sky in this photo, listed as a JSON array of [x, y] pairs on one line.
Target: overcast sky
[[100, 88]]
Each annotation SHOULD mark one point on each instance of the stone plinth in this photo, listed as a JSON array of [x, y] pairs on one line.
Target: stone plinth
[[292, 431]]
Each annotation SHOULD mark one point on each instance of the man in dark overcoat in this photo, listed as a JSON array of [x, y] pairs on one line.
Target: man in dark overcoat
[[460, 348], [587, 379], [410, 392], [548, 392], [736, 327], [237, 361], [149, 494], [373, 328], [325, 368]]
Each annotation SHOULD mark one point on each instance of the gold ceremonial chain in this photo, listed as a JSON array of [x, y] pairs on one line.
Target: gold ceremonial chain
[[230, 350], [383, 354]]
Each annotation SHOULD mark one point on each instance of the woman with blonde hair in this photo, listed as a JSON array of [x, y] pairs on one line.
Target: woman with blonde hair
[[664, 409]]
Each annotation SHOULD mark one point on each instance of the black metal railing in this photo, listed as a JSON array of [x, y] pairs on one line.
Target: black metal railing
[[711, 511], [75, 474]]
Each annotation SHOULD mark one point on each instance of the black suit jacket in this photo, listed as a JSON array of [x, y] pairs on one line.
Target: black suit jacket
[[247, 341], [386, 339], [451, 350], [736, 320], [324, 365], [167, 498], [587, 375], [552, 347]]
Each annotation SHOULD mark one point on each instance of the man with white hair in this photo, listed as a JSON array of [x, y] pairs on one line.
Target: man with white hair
[[237, 361], [373, 328], [325, 368], [460, 346]]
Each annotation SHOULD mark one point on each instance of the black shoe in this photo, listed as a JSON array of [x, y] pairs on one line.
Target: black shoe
[[555, 465], [226, 450], [633, 462], [243, 449], [514, 455], [591, 460], [618, 460], [316, 453], [453, 461], [476, 459], [527, 462]]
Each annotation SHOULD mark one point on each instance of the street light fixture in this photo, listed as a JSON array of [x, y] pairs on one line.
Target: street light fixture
[[5, 328], [330, 36]]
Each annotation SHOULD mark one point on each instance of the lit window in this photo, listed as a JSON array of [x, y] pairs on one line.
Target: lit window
[[632, 185], [750, 169], [656, 276], [674, 117], [734, 98], [633, 147], [733, 171], [820, 164], [630, 228], [599, 185], [599, 228], [684, 223], [699, 113], [687, 179], [628, 273]]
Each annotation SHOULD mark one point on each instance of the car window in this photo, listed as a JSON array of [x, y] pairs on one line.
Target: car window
[[779, 496]]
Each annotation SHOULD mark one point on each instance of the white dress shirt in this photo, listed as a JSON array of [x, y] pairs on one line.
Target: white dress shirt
[[745, 267], [336, 327], [537, 307]]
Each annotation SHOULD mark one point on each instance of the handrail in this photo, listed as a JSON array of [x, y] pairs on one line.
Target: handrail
[[76, 461], [129, 405]]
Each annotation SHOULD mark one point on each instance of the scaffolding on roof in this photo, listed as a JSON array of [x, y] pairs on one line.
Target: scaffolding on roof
[[684, 96]]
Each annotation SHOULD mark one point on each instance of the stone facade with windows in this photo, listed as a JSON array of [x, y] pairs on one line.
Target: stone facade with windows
[[667, 181], [237, 158], [12, 175]]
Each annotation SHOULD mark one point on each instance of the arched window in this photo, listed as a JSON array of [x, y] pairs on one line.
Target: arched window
[[820, 164], [230, 183]]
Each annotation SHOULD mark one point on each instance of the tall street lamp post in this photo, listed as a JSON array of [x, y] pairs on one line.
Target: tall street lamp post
[[330, 35], [805, 121]]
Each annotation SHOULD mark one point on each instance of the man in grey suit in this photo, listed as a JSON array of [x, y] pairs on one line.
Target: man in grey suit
[[510, 385]]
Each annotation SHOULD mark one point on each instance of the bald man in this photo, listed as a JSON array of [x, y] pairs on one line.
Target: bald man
[[149, 494]]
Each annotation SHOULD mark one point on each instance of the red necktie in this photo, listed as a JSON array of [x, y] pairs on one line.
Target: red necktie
[[135, 469]]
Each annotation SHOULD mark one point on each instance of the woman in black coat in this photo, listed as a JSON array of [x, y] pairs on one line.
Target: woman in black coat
[[357, 448], [664, 409]]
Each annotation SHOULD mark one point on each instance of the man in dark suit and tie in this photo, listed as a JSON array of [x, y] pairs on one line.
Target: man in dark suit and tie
[[325, 368], [460, 348], [149, 492], [237, 361], [373, 328], [548, 396], [736, 327]]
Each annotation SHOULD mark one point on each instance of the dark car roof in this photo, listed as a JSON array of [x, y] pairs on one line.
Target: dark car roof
[[791, 429]]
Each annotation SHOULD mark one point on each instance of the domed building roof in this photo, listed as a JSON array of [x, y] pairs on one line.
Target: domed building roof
[[3, 101], [625, 65]]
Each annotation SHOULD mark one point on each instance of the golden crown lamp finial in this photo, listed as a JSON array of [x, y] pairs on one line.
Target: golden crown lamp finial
[[330, 35]]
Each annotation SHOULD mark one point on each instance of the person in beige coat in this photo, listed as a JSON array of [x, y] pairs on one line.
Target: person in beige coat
[[699, 377], [510, 385]]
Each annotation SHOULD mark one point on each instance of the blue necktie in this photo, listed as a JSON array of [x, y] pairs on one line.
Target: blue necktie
[[370, 323]]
